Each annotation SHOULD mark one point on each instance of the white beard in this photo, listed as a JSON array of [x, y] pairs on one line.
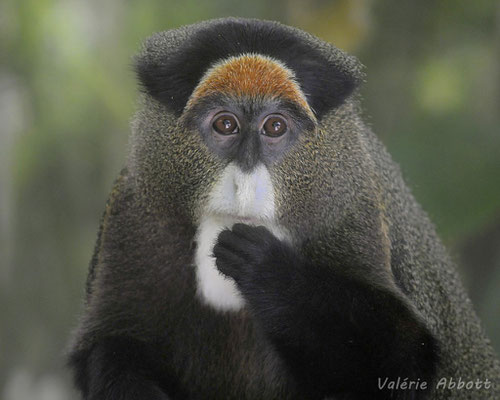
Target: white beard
[[236, 197]]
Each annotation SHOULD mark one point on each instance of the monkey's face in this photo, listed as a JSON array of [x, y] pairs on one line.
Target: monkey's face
[[249, 112], [230, 120]]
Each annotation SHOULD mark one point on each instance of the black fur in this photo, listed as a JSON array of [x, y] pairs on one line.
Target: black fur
[[345, 336], [173, 79], [119, 368]]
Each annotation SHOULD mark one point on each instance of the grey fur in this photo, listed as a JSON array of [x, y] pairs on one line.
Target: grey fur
[[338, 187]]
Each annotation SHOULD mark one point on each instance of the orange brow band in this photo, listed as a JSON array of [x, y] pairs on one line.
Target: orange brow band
[[251, 75]]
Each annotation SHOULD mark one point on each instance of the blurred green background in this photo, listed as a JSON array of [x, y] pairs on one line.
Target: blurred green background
[[67, 93]]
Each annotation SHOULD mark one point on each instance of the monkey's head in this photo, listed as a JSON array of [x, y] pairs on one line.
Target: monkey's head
[[242, 119]]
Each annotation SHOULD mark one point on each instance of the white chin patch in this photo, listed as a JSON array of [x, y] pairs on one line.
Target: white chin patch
[[237, 197]]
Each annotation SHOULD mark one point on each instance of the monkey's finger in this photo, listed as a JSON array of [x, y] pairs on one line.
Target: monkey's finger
[[252, 233], [227, 262], [229, 240], [227, 254]]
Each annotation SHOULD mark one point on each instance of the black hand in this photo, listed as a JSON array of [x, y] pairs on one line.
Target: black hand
[[257, 260], [337, 333]]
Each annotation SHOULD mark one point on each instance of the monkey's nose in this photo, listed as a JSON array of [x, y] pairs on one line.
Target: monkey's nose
[[248, 154]]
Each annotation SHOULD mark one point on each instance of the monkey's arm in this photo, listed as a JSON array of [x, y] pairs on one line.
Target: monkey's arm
[[337, 333], [114, 366], [117, 369]]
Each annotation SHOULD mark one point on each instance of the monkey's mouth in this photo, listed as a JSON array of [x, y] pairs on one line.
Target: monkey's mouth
[[245, 219]]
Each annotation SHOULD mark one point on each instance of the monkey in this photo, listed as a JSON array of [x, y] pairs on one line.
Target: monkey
[[260, 243]]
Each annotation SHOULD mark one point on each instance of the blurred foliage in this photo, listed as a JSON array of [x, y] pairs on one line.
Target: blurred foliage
[[67, 93]]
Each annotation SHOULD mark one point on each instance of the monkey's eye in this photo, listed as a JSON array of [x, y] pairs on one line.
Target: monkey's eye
[[274, 126], [225, 124]]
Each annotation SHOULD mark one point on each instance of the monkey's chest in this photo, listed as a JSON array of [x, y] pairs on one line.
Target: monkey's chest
[[213, 347], [217, 356]]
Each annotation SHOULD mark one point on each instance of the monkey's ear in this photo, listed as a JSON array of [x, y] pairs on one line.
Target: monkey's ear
[[325, 85], [173, 62], [168, 82]]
